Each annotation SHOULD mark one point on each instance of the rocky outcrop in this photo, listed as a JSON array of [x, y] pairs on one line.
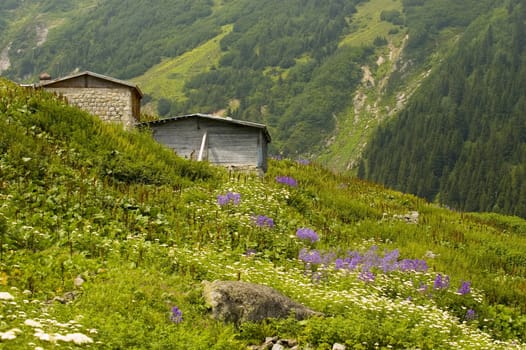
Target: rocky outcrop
[[275, 343], [42, 32], [410, 218], [238, 302], [5, 63]]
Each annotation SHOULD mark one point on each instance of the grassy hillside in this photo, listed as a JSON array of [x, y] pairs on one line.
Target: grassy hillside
[[368, 25], [166, 80], [231, 56], [25, 27], [103, 232]]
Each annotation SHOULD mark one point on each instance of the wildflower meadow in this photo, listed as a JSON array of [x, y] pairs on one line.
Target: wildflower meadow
[[106, 238]]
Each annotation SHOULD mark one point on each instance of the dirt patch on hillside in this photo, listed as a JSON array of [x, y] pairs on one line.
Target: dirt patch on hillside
[[5, 63], [42, 32], [367, 76]]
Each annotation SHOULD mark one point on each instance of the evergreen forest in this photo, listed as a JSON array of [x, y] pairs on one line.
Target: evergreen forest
[[461, 139]]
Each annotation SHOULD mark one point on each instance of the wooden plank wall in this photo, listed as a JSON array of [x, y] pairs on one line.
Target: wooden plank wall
[[233, 147], [228, 143], [182, 136]]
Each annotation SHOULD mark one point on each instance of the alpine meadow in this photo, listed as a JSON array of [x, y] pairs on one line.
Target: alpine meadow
[[390, 213]]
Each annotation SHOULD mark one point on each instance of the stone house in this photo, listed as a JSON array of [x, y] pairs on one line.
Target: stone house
[[228, 142], [111, 99]]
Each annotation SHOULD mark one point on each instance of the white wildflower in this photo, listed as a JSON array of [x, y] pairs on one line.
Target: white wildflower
[[78, 338], [6, 296], [43, 336], [32, 323], [10, 334]]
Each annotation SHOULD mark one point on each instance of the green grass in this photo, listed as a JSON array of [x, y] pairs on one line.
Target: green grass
[[167, 79], [142, 228], [366, 24]]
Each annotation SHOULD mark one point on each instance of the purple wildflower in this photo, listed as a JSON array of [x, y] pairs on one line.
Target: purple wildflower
[[303, 161], [438, 282], [339, 264], [250, 252], [229, 197], [222, 200], [370, 259], [441, 282], [390, 261], [465, 288], [234, 197], [470, 315], [353, 259], [307, 234], [406, 265], [287, 180], [263, 221], [177, 315], [366, 276], [310, 257], [413, 265]]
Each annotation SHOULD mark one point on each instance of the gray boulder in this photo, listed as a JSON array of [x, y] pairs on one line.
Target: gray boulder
[[238, 302]]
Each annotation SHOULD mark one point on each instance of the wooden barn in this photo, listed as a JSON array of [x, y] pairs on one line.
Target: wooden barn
[[223, 141], [111, 99]]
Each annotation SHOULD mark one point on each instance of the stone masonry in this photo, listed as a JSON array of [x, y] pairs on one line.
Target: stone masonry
[[110, 104]]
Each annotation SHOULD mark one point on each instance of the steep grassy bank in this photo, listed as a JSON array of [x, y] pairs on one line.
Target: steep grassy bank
[[104, 232]]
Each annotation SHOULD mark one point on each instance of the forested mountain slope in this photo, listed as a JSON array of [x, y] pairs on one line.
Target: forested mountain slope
[[294, 65], [462, 138], [323, 75], [275, 52]]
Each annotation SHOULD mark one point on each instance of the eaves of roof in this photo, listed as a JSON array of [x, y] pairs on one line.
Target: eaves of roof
[[96, 75], [212, 117]]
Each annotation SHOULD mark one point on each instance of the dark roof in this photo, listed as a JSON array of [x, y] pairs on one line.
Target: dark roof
[[212, 117], [95, 75]]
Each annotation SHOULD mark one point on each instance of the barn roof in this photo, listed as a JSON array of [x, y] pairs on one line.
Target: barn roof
[[95, 75], [212, 117]]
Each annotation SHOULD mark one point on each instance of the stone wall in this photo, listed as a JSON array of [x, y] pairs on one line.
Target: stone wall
[[110, 104]]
